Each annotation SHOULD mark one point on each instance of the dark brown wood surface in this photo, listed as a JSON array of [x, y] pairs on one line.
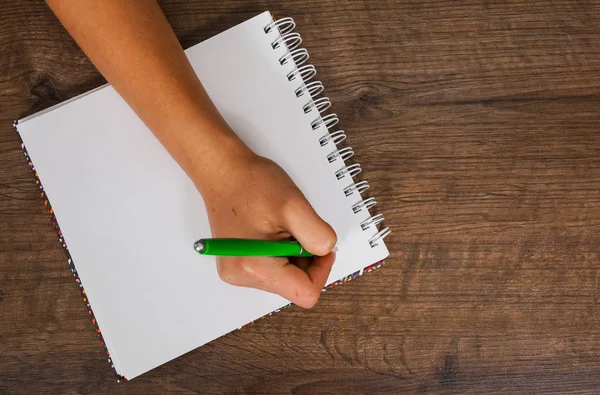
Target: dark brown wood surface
[[478, 126]]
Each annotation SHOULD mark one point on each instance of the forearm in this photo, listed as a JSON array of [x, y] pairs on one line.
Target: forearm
[[133, 46]]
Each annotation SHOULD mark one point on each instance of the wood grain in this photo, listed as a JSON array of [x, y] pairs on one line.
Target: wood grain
[[476, 124]]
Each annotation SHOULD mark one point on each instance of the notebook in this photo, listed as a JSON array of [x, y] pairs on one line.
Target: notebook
[[128, 215]]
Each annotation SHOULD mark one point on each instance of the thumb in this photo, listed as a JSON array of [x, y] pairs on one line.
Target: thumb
[[305, 225]]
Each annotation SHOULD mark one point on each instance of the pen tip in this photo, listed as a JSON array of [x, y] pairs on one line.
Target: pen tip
[[200, 246]]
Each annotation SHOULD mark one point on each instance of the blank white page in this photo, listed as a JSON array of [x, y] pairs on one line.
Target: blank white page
[[130, 215]]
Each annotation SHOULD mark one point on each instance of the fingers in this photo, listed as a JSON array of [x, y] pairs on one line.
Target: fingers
[[276, 275], [316, 235], [319, 269], [300, 287], [254, 272]]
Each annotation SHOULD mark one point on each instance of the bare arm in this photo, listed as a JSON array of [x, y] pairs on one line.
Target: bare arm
[[247, 196]]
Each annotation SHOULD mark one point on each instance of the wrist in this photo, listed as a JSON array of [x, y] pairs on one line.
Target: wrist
[[206, 149], [217, 160]]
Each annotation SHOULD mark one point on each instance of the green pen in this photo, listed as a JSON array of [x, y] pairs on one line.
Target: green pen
[[247, 247]]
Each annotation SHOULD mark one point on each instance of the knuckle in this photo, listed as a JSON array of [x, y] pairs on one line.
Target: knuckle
[[246, 269], [240, 271], [309, 298], [229, 270]]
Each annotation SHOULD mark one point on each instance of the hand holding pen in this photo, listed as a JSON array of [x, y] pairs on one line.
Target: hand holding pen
[[255, 199]]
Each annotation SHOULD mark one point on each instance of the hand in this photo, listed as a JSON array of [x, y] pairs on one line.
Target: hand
[[252, 197]]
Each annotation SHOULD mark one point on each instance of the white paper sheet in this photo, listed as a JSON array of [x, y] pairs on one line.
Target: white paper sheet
[[130, 215]]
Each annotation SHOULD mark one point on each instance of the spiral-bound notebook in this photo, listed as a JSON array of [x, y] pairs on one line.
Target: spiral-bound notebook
[[128, 215]]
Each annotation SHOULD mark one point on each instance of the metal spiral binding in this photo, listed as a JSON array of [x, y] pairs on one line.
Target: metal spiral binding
[[297, 57], [371, 221], [285, 25], [335, 138], [328, 121], [363, 204], [321, 105], [305, 72], [343, 154], [291, 40], [359, 187], [313, 88], [382, 234], [351, 170]]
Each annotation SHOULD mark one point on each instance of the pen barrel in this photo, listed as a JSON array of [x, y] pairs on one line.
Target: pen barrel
[[244, 247]]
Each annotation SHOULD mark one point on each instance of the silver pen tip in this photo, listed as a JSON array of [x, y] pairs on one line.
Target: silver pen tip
[[200, 246]]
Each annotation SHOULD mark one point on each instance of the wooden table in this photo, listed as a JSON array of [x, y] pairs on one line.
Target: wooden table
[[478, 127]]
